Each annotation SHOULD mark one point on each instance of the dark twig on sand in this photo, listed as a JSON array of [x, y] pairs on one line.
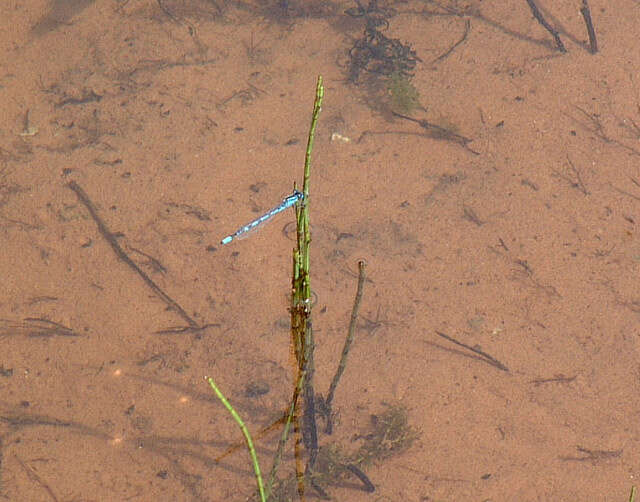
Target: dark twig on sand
[[109, 237]]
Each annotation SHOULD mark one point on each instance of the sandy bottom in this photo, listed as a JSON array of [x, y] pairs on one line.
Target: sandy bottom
[[501, 310]]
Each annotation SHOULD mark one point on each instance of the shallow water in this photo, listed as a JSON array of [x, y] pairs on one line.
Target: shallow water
[[182, 121]]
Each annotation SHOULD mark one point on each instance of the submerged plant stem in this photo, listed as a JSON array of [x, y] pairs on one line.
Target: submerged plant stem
[[347, 343]]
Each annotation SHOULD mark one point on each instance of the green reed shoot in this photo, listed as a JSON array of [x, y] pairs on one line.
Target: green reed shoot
[[247, 436], [300, 320], [301, 331]]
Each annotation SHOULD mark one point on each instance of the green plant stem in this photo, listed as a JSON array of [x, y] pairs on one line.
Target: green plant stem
[[301, 326], [317, 107], [247, 436], [301, 282], [300, 293]]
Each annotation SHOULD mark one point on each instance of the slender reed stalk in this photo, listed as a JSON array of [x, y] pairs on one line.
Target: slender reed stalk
[[247, 436], [301, 331], [362, 276]]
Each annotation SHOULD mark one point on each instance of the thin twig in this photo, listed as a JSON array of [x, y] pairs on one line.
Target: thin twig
[[554, 33], [595, 126], [467, 26], [33, 476], [586, 14], [35, 328], [347, 344], [483, 355], [367, 485], [108, 236], [437, 132], [576, 183]]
